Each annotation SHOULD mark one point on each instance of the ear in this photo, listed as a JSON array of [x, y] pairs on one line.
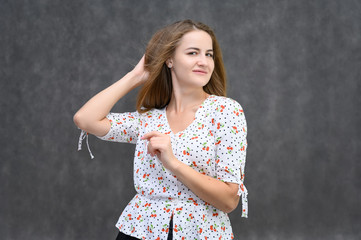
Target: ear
[[169, 63]]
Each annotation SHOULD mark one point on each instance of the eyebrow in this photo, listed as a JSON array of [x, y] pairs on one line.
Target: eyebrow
[[197, 49]]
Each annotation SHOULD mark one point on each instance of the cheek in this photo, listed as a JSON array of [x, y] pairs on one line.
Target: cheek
[[211, 66]]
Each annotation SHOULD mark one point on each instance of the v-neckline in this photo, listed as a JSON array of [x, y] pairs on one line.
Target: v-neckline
[[191, 124]]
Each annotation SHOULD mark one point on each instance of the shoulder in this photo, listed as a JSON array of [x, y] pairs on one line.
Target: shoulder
[[152, 114], [226, 111], [224, 104]]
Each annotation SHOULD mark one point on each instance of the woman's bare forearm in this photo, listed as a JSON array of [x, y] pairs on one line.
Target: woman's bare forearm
[[92, 116], [219, 194]]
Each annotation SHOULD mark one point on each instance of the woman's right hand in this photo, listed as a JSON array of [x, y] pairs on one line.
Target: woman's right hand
[[139, 72], [92, 116]]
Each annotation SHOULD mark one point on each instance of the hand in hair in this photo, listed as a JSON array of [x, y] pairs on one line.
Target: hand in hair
[[140, 72], [92, 116]]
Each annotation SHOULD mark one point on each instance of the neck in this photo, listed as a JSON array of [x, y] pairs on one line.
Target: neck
[[183, 101]]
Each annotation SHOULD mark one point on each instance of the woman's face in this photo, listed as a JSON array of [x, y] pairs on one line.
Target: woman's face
[[192, 62]]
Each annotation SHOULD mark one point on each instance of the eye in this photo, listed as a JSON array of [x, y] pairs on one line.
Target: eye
[[209, 55], [192, 53]]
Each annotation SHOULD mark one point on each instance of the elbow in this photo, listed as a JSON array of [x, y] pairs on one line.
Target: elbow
[[79, 120], [231, 201], [231, 205], [85, 123]]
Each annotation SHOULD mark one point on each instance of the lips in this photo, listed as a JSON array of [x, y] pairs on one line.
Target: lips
[[199, 71]]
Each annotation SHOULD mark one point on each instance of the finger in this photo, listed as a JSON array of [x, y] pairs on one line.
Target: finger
[[153, 146], [150, 150], [149, 135]]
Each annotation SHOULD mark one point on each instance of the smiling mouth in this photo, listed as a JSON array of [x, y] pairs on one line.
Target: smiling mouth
[[200, 71]]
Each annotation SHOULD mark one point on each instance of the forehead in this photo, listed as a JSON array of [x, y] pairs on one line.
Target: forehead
[[197, 38]]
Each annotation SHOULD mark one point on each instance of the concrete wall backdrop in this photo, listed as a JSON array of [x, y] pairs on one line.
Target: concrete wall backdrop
[[293, 65]]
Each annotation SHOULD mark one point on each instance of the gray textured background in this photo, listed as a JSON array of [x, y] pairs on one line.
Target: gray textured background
[[293, 65]]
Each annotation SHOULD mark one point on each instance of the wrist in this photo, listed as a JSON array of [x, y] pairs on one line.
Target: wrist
[[137, 77], [133, 77], [175, 165]]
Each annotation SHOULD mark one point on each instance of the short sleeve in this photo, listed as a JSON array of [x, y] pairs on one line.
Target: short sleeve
[[231, 132], [124, 127], [231, 144]]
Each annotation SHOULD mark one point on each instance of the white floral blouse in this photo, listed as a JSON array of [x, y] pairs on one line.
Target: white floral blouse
[[213, 144]]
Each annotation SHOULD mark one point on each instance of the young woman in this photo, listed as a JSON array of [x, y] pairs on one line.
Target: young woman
[[190, 139]]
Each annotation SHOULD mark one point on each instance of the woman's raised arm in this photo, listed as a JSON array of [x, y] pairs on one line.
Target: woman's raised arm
[[91, 117]]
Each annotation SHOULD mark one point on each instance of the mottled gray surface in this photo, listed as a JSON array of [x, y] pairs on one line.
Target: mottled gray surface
[[293, 65]]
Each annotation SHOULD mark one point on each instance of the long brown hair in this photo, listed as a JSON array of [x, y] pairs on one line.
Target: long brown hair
[[157, 90]]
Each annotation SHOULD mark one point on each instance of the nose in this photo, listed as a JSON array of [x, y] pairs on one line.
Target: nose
[[202, 60]]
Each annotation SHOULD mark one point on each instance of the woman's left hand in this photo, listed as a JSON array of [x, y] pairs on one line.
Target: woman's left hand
[[159, 144]]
